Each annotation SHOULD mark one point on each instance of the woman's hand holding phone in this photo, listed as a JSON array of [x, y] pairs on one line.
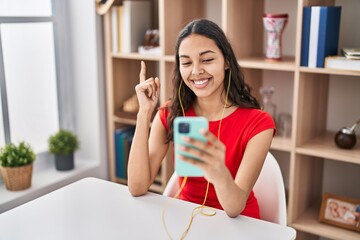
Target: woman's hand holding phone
[[197, 151]]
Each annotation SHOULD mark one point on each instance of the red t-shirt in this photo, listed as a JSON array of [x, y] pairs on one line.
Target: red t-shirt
[[236, 131]]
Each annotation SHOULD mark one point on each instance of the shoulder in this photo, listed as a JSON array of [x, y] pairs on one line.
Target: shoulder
[[256, 120], [164, 111], [253, 113]]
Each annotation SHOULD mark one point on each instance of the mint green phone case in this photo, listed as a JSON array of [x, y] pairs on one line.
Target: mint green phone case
[[188, 126]]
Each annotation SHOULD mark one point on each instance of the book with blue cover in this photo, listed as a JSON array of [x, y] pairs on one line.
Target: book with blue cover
[[305, 37], [122, 136], [320, 34], [329, 27]]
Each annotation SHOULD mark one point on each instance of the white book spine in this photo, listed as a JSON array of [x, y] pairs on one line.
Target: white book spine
[[314, 36], [136, 20], [114, 30]]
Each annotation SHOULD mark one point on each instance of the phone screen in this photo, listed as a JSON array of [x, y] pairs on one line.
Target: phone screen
[[188, 126]]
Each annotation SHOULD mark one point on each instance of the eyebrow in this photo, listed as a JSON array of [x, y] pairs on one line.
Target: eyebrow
[[202, 53]]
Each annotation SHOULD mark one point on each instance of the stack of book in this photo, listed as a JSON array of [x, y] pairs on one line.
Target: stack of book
[[320, 34], [352, 53], [350, 60]]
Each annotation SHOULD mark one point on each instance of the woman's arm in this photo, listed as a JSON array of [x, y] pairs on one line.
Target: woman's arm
[[232, 194], [146, 151], [146, 154]]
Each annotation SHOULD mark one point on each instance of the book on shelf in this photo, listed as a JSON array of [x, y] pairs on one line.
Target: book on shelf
[[351, 53], [114, 30], [129, 23], [341, 62], [136, 18], [123, 139], [320, 34], [305, 37]]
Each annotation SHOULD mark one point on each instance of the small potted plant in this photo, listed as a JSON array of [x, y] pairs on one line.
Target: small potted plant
[[16, 165], [63, 145]]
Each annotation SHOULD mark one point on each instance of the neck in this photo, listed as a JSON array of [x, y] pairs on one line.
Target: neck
[[211, 109]]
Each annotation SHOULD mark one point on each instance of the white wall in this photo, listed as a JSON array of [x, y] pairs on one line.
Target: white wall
[[88, 74]]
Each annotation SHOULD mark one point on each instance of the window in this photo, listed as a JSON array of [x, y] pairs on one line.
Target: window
[[33, 83]]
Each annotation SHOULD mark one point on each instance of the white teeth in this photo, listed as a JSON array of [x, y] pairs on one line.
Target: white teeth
[[199, 82]]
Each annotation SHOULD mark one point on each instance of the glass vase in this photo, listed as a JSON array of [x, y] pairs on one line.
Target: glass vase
[[268, 105]]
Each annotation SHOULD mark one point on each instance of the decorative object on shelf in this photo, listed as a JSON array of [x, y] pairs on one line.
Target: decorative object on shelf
[[63, 145], [268, 105], [274, 25], [340, 211], [346, 137], [16, 165], [284, 122], [103, 6], [151, 43], [131, 104]]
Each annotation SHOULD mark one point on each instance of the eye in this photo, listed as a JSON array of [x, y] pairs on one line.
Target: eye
[[207, 60], [185, 63]]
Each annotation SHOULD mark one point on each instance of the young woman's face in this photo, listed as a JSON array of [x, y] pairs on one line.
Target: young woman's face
[[202, 66]]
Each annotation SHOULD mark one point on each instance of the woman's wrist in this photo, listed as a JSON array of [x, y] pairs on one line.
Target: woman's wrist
[[144, 115]]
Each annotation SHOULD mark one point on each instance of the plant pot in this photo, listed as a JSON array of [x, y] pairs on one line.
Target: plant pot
[[17, 178], [64, 163]]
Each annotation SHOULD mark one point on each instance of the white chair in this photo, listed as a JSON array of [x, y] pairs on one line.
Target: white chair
[[269, 190]]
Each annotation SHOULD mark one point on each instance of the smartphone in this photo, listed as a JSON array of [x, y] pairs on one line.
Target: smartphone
[[190, 127]]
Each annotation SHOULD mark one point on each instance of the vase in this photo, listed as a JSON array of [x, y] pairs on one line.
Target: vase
[[64, 163], [17, 178], [274, 25], [268, 105]]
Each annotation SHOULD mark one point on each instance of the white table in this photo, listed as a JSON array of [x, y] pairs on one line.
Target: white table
[[97, 209]]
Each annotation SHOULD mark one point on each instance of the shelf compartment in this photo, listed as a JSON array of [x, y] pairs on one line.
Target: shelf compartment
[[136, 56], [287, 63], [308, 222], [323, 146], [281, 144], [174, 16], [125, 118], [329, 71]]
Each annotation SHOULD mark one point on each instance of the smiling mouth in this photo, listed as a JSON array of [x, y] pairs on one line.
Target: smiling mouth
[[201, 82]]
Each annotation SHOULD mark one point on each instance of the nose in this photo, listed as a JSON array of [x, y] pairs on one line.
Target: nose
[[197, 69]]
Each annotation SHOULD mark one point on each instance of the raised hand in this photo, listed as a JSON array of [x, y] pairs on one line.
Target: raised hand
[[147, 91]]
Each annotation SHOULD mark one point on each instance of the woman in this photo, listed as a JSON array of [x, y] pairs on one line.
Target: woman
[[210, 84]]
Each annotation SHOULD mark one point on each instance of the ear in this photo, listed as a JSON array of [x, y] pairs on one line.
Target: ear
[[227, 65]]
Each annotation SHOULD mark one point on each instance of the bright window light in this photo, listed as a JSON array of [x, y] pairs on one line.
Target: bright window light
[[30, 76]]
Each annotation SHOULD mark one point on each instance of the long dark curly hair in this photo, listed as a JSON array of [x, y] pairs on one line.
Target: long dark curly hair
[[239, 92]]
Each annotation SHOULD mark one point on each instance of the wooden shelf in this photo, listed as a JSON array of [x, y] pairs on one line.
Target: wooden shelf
[[308, 222], [136, 56], [286, 64], [324, 146], [329, 71]]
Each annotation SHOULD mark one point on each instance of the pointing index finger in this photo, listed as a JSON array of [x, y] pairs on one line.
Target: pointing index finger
[[142, 74]]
